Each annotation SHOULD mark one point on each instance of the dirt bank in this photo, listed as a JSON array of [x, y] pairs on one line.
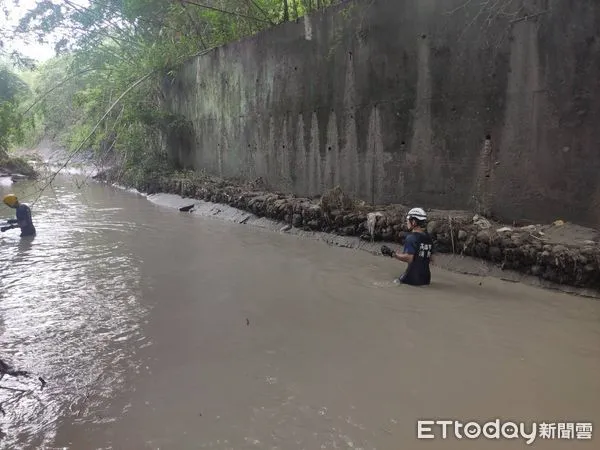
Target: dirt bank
[[16, 168], [559, 253]]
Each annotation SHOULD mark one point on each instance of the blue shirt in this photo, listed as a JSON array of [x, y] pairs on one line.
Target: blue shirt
[[420, 245], [24, 220]]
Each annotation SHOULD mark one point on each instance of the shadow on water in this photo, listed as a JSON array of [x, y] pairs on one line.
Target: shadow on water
[[24, 247]]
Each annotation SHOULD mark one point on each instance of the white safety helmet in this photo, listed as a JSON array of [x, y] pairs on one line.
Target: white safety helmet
[[417, 213]]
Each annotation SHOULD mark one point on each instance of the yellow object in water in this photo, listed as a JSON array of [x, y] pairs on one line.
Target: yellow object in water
[[10, 200], [558, 223]]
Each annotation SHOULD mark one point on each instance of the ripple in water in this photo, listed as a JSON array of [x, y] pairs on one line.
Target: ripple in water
[[69, 312]]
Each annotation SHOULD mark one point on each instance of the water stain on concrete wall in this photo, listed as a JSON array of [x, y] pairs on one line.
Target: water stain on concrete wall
[[394, 100]]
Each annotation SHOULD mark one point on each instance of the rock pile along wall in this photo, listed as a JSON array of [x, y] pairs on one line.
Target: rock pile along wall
[[522, 249], [441, 103]]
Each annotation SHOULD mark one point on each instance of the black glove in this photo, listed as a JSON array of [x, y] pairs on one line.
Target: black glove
[[386, 251], [10, 227]]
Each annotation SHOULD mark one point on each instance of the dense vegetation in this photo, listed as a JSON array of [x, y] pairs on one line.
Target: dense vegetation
[[11, 86], [12, 89], [102, 90]]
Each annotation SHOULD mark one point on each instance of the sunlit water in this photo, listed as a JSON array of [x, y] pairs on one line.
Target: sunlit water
[[156, 329], [69, 309]]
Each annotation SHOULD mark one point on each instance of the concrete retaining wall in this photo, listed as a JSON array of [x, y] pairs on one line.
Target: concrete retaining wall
[[440, 103]]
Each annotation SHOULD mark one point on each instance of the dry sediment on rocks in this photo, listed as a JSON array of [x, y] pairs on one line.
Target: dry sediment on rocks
[[523, 249]]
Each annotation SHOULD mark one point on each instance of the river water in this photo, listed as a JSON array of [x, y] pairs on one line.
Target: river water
[[155, 329]]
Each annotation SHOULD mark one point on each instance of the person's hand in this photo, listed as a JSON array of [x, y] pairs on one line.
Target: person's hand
[[3, 229], [386, 251]]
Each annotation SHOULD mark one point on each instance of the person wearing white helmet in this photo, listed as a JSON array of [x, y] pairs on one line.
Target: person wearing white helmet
[[418, 250]]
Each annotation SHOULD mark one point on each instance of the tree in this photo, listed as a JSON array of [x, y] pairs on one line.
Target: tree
[[109, 45], [11, 86]]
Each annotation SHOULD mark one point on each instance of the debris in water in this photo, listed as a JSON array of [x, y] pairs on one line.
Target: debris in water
[[372, 219], [186, 208], [247, 322], [17, 177], [481, 222], [286, 228], [6, 369]]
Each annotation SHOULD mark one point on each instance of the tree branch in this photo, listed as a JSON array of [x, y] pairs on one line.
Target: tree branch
[[6, 369], [80, 146], [532, 16], [213, 8], [49, 91], [262, 11]]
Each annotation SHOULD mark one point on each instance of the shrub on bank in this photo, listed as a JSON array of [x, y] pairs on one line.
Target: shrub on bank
[[16, 165]]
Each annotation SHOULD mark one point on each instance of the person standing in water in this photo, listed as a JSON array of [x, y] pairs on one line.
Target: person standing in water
[[23, 219], [418, 250]]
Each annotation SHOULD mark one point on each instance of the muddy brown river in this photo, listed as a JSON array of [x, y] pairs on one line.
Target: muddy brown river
[[156, 329]]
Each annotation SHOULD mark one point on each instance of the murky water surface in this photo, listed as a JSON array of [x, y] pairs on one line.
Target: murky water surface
[[154, 329]]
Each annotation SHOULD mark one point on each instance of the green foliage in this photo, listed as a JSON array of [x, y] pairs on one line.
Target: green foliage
[[11, 87], [109, 46], [10, 84], [8, 125]]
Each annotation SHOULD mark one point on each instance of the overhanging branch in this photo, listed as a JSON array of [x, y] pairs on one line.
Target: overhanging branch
[[231, 13]]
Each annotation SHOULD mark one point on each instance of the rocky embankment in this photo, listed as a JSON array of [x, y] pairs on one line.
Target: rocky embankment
[[527, 249], [17, 169]]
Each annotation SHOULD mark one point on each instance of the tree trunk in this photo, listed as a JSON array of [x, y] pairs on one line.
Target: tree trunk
[[286, 11]]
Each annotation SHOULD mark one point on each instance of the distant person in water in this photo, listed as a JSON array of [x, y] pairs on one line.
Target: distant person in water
[[23, 220], [418, 250]]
